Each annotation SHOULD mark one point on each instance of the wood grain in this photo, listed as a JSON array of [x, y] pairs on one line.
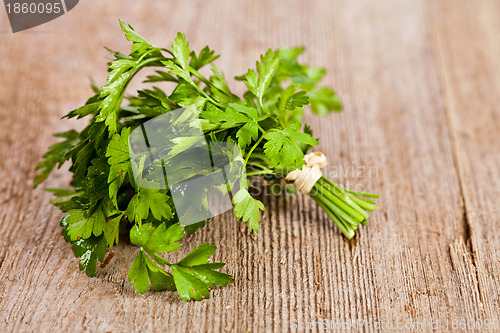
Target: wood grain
[[420, 81]]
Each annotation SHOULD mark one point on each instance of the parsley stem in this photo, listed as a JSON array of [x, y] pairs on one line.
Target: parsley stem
[[339, 192], [334, 204], [261, 157], [261, 129], [343, 206], [363, 194], [259, 173], [367, 200], [364, 204], [361, 202], [257, 165], [346, 207], [253, 148], [347, 231]]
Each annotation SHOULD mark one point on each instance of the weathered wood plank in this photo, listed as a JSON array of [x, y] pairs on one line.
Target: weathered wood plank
[[466, 42], [419, 127]]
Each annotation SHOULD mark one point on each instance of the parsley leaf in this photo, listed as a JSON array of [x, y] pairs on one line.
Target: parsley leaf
[[282, 146], [195, 276], [258, 82], [91, 108], [119, 161], [112, 232], [324, 100], [96, 181], [56, 155], [219, 87], [153, 240], [187, 95], [205, 57], [144, 270], [234, 116], [157, 239], [122, 69], [80, 226], [247, 208], [111, 94], [88, 250], [180, 50], [146, 200], [139, 43]]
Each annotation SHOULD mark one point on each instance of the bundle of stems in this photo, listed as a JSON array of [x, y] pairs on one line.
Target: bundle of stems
[[346, 208]]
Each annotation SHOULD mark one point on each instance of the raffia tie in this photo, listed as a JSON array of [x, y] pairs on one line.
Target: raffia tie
[[305, 178]]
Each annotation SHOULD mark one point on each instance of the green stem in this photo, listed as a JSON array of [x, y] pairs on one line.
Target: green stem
[[339, 207], [364, 204], [261, 157], [260, 173], [358, 201], [347, 208], [363, 194], [257, 165], [253, 148], [348, 232], [339, 193]]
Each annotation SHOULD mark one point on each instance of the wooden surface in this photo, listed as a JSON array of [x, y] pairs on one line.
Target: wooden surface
[[420, 80]]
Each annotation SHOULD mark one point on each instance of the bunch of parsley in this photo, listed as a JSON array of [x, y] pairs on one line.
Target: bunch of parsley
[[105, 202]]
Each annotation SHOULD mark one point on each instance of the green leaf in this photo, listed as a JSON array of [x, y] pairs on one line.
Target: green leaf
[[112, 232], [324, 100], [194, 276], [247, 208], [160, 280], [65, 198], [282, 147], [118, 159], [248, 133], [121, 71], [161, 76], [192, 228], [236, 115], [56, 155], [83, 111], [117, 173], [205, 57], [139, 273], [93, 139], [187, 95], [298, 100], [180, 50], [153, 240], [140, 45], [154, 201], [112, 92], [219, 88], [96, 181], [258, 82], [118, 151], [175, 69], [80, 226], [304, 76], [144, 270], [89, 251], [157, 239]]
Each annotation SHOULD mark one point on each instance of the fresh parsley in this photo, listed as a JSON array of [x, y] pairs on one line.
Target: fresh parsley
[[266, 123]]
